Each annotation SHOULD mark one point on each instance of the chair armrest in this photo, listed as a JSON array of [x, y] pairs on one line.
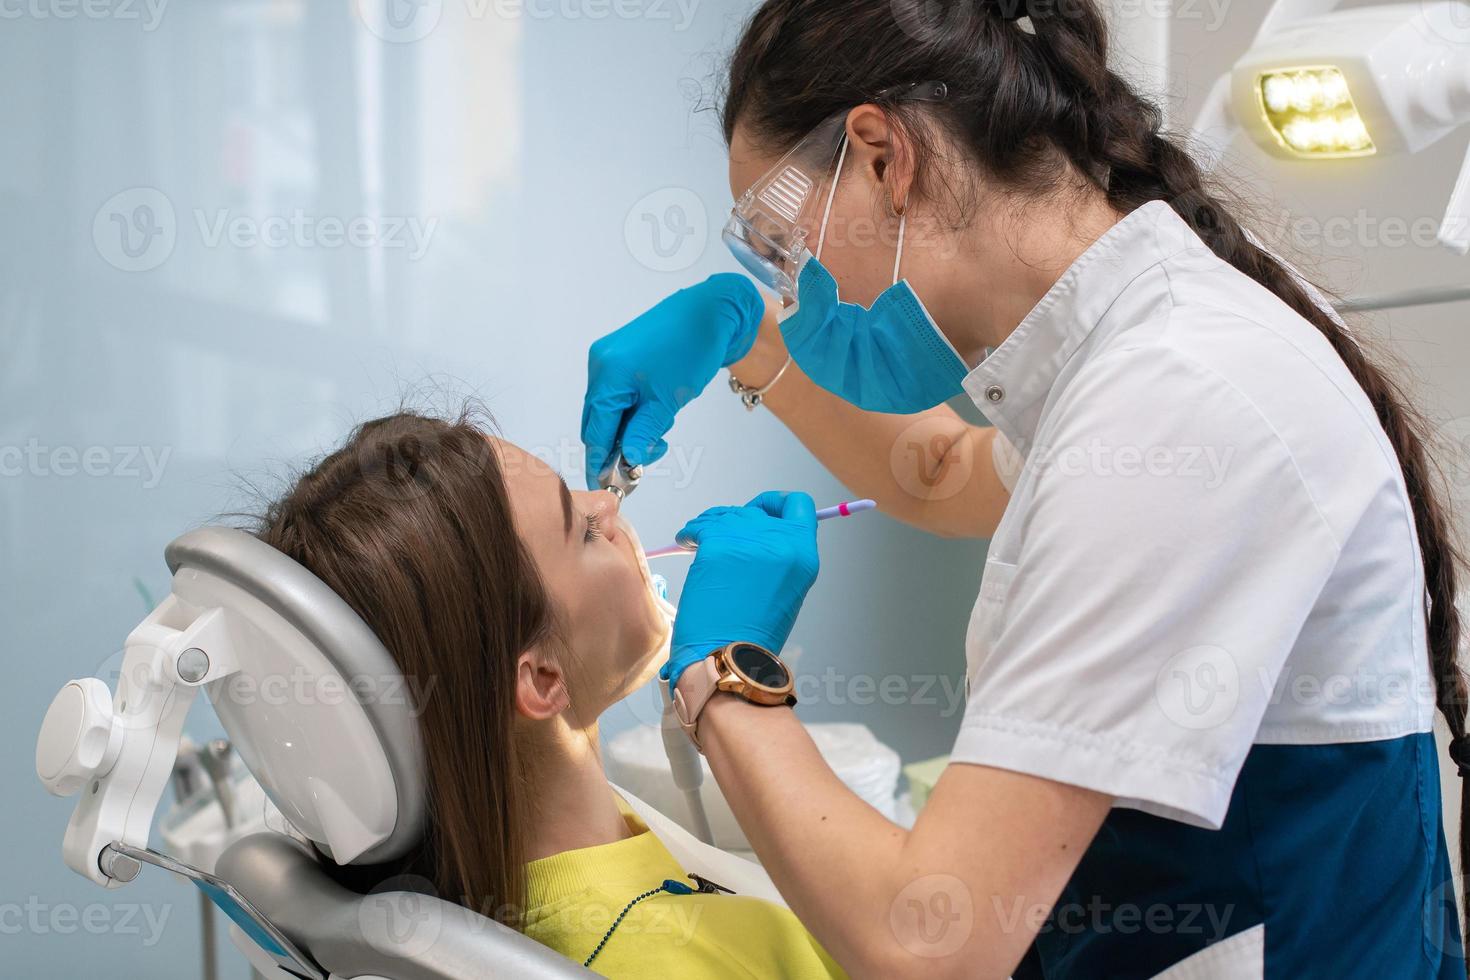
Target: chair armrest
[[397, 934]]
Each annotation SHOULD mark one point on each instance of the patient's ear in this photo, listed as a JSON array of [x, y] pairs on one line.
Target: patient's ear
[[541, 689]]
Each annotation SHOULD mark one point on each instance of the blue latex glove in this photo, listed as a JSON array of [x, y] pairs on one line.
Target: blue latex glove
[[752, 571], [639, 376]]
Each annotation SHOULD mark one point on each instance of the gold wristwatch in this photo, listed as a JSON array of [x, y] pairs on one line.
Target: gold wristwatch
[[752, 672]]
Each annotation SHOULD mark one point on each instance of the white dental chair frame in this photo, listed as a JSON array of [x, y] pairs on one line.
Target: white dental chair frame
[[339, 757]]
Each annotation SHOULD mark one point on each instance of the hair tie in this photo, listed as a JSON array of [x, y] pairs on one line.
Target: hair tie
[[1460, 754]]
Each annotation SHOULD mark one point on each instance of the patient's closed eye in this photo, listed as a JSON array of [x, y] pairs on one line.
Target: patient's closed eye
[[594, 526]]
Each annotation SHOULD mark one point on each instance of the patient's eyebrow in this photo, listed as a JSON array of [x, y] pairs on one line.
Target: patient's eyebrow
[[566, 506]]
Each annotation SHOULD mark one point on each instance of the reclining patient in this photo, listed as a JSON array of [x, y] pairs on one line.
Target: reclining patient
[[520, 611]]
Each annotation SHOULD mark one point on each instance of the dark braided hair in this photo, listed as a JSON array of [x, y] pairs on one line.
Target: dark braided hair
[[1035, 108]]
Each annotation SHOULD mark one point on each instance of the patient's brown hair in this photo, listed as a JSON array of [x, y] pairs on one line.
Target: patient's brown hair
[[410, 523]]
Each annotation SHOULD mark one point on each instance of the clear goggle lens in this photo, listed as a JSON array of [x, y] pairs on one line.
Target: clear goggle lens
[[777, 218], [780, 216]]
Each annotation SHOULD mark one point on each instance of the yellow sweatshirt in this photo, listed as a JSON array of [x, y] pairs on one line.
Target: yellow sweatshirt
[[574, 898]]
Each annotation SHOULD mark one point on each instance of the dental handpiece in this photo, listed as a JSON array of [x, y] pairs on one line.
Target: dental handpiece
[[619, 477], [847, 509]]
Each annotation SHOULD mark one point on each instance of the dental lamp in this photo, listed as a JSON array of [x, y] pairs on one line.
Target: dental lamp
[[1324, 87]]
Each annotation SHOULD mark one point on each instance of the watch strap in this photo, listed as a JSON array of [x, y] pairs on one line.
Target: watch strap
[[698, 684]]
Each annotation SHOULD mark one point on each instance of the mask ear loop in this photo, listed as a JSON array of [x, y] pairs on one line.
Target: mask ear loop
[[898, 258], [831, 193]]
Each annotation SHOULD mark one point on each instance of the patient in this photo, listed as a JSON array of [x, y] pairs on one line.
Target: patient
[[524, 610]]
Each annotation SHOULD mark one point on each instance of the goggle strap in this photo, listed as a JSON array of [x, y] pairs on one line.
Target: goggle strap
[[831, 193]]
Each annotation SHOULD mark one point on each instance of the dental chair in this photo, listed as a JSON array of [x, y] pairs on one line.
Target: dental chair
[[319, 714]]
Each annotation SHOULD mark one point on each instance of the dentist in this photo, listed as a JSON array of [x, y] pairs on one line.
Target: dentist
[[1198, 740]]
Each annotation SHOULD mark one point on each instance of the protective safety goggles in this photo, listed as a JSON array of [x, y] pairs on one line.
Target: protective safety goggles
[[770, 225]]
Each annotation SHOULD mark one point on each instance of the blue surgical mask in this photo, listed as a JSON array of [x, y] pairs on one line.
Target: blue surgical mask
[[889, 357]]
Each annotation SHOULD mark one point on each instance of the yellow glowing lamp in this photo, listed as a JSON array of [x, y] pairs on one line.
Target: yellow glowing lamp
[[1323, 84], [1310, 111]]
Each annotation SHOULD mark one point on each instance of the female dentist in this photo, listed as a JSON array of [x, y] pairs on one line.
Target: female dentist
[[1219, 603]]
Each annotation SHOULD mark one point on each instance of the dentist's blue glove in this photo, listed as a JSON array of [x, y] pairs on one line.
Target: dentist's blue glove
[[752, 571], [639, 376]]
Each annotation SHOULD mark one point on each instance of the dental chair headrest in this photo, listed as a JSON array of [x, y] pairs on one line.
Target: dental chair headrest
[[318, 710]]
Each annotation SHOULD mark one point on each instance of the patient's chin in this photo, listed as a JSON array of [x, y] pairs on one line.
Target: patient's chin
[[647, 672], [652, 660]]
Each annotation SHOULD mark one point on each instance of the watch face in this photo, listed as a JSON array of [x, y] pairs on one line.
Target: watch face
[[759, 667]]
